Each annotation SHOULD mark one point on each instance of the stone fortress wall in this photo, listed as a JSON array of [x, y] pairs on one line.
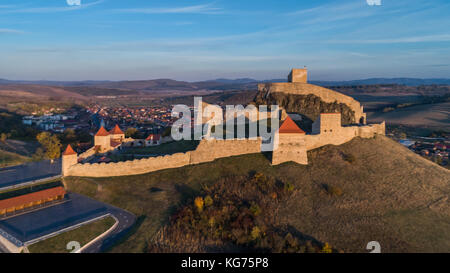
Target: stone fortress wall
[[297, 85], [327, 95], [292, 147], [326, 130], [207, 150]]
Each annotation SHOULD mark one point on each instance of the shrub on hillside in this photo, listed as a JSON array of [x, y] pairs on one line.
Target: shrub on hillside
[[350, 158], [332, 190], [242, 215], [199, 203]]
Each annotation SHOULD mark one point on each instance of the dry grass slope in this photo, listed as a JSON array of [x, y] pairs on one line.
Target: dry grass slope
[[365, 190]]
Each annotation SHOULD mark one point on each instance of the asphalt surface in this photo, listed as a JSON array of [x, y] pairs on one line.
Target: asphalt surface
[[15, 175], [126, 221], [74, 210]]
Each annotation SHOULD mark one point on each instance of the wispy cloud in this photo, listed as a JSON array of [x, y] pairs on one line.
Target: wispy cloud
[[11, 31], [196, 9], [53, 9], [413, 39]]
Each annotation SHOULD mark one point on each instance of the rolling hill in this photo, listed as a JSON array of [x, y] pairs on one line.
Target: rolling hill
[[221, 82], [381, 192], [424, 116]]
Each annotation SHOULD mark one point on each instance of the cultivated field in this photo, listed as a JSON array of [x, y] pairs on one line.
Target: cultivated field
[[426, 115]]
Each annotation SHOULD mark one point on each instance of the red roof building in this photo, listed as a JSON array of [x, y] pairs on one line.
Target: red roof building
[[32, 199], [102, 132], [153, 137], [115, 144], [69, 151], [289, 127], [116, 131]]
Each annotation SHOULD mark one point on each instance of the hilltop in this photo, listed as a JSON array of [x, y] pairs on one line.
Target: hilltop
[[348, 195]]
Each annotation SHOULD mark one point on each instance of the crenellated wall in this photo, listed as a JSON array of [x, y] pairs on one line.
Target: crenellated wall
[[291, 148], [326, 129], [90, 152], [133, 167], [207, 150]]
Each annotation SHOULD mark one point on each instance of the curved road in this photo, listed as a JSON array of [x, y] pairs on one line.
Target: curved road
[[125, 220]]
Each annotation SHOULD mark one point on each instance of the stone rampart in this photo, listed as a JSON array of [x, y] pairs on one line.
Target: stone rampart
[[327, 95], [207, 150]]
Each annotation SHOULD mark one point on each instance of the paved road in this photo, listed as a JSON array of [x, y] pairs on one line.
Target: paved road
[[75, 210], [126, 221], [14, 175]]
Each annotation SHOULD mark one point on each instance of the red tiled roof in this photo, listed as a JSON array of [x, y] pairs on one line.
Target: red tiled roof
[[102, 132], [155, 137], [115, 143], [69, 151], [31, 197], [289, 127], [116, 131]]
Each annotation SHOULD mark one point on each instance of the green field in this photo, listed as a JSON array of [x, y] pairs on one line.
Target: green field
[[83, 235], [386, 193]]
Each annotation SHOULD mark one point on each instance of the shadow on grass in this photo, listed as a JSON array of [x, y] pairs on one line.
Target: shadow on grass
[[122, 236]]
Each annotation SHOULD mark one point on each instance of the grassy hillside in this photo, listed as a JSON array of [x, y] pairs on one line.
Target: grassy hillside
[[11, 159], [348, 195], [83, 235]]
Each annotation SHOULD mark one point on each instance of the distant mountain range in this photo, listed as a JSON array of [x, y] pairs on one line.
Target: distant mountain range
[[219, 84], [401, 81]]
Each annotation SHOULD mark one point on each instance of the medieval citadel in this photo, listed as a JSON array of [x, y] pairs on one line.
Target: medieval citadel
[[293, 142]]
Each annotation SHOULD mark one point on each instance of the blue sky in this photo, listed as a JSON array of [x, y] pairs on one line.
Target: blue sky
[[199, 40]]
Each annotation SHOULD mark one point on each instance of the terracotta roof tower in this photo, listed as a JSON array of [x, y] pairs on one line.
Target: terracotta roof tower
[[116, 131], [102, 132], [69, 151], [289, 127]]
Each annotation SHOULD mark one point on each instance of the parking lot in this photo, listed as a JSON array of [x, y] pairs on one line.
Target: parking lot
[[31, 226], [17, 175]]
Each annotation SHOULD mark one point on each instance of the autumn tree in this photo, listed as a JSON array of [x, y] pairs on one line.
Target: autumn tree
[[133, 133], [3, 137], [51, 145], [69, 136]]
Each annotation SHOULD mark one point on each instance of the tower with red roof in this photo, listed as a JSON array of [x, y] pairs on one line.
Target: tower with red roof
[[102, 140], [291, 144], [116, 134], [69, 158]]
